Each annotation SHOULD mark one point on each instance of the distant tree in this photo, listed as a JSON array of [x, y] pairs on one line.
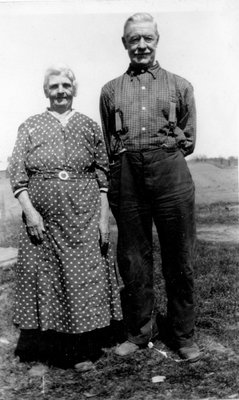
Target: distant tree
[[219, 161]]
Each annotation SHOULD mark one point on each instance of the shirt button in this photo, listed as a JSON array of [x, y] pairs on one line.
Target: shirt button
[[143, 108], [142, 70], [143, 88], [143, 128]]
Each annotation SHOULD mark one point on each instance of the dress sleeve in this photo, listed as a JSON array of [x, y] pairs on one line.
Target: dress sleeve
[[101, 159], [17, 168]]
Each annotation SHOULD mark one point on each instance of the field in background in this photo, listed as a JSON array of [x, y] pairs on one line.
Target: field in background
[[214, 184]]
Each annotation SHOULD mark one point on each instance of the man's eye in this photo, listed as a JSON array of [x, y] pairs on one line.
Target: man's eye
[[148, 39], [53, 87], [134, 40]]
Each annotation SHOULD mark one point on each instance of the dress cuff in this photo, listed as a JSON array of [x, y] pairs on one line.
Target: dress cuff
[[18, 191], [103, 189]]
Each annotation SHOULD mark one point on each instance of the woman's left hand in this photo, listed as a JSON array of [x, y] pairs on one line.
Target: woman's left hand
[[104, 233], [104, 223]]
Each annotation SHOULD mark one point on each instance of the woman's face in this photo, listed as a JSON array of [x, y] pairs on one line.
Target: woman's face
[[60, 93]]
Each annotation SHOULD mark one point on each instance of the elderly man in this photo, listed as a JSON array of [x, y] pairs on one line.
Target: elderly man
[[148, 118]]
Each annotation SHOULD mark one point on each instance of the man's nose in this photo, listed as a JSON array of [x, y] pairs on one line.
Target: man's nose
[[142, 44]]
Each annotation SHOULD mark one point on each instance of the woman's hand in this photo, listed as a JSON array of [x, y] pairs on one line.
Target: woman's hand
[[104, 232], [104, 223], [34, 220], [35, 225]]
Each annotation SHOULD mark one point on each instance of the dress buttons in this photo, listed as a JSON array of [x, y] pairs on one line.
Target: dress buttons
[[143, 87], [143, 128], [142, 71], [143, 108]]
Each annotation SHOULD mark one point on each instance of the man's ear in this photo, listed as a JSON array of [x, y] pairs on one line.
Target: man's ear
[[124, 43]]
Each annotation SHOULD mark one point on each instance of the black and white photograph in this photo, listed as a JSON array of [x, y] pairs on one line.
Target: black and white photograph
[[119, 207]]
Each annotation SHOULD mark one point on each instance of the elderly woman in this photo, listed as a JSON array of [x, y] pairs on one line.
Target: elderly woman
[[66, 280]]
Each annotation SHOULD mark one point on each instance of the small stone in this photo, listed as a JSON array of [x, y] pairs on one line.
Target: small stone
[[84, 366], [4, 341], [158, 379], [38, 370]]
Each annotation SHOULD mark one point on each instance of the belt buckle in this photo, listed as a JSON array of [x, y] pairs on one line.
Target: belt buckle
[[63, 175]]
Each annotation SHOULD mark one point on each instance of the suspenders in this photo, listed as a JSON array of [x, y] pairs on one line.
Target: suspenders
[[121, 130], [172, 120], [118, 96]]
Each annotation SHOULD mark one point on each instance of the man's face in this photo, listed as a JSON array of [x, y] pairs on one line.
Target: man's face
[[60, 92], [140, 39]]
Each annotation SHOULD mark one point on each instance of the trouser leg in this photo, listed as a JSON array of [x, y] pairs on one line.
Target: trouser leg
[[176, 236], [174, 217], [129, 204]]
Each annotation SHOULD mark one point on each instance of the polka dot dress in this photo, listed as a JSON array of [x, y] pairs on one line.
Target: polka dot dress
[[64, 283]]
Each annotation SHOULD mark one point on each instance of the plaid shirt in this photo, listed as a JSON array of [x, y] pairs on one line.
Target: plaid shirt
[[144, 104]]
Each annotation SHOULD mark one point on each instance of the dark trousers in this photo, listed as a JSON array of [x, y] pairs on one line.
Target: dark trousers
[[154, 186]]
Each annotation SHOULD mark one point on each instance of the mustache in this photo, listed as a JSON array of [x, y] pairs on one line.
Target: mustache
[[142, 52]]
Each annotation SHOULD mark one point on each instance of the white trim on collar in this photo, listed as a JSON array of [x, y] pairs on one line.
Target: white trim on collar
[[63, 119]]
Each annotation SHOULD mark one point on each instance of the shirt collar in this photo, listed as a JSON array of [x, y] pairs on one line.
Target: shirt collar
[[132, 71]]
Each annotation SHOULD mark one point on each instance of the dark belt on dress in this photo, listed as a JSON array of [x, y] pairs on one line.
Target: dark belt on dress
[[63, 175]]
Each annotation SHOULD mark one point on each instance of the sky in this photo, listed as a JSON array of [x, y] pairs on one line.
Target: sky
[[199, 40]]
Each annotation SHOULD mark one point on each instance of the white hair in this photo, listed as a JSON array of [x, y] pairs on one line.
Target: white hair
[[141, 17], [59, 69]]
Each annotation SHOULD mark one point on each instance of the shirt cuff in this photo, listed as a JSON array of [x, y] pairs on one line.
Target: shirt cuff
[[103, 190]]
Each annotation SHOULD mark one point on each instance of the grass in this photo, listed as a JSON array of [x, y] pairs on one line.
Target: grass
[[9, 231], [217, 213], [215, 376]]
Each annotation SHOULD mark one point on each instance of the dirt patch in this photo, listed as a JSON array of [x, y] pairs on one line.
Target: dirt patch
[[215, 232], [8, 255], [218, 233]]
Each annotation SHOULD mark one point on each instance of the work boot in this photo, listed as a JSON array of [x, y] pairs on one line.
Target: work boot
[[190, 353]]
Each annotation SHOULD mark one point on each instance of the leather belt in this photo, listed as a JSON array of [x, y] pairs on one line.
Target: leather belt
[[63, 175]]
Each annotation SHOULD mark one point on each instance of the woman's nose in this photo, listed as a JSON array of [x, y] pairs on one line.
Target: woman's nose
[[60, 89]]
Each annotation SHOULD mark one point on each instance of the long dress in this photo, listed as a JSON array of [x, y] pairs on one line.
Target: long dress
[[64, 284]]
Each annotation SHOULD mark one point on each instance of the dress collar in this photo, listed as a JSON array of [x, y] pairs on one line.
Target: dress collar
[[63, 119]]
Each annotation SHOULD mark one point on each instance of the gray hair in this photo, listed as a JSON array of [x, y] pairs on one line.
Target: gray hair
[[59, 69], [141, 17]]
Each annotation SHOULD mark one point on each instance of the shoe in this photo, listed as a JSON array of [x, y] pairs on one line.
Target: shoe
[[126, 348], [190, 353]]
